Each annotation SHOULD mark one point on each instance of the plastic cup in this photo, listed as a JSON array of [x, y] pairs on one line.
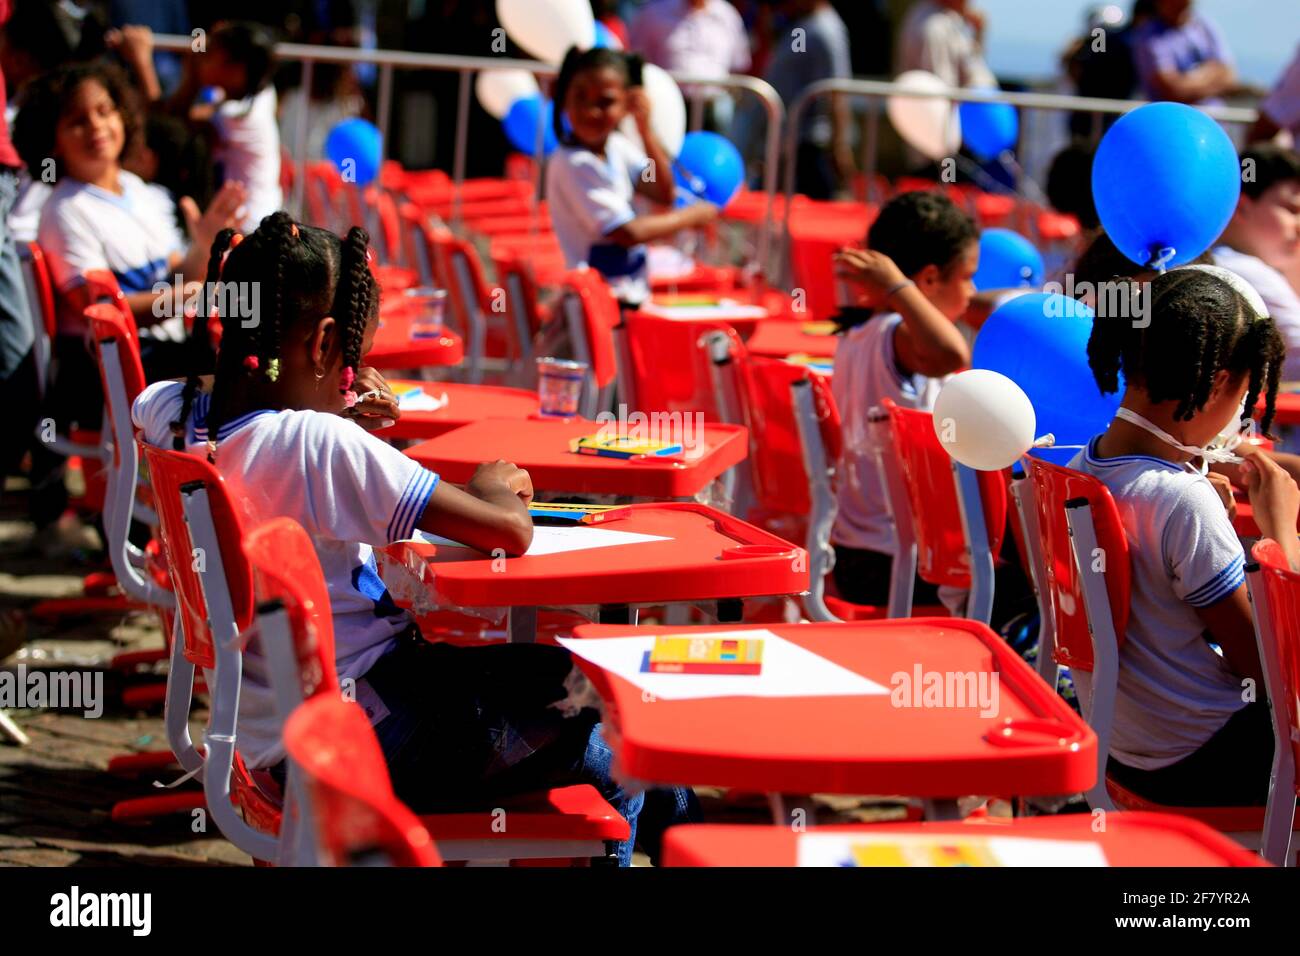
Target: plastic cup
[[427, 307], [559, 386]]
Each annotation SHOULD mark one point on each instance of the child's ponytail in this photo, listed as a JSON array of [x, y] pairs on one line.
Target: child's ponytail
[[354, 301], [201, 357]]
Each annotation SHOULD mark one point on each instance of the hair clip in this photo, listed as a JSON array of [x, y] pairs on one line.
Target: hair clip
[[347, 378], [293, 229], [367, 254], [236, 239], [350, 399], [273, 369], [251, 362]]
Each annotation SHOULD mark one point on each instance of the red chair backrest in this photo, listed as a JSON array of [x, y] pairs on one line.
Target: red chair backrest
[[1283, 587], [780, 477], [449, 249], [355, 809], [43, 288], [286, 569], [108, 324], [169, 473], [1052, 487], [936, 516], [600, 316], [102, 287], [670, 369]]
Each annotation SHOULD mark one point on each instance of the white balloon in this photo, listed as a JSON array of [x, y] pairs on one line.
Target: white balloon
[[1244, 288], [547, 28], [930, 124], [497, 89], [667, 110], [984, 420]]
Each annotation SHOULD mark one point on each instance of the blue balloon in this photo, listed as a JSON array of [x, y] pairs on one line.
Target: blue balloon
[[989, 129], [1007, 261], [605, 37], [709, 166], [1166, 177], [356, 148], [520, 123], [1040, 342]]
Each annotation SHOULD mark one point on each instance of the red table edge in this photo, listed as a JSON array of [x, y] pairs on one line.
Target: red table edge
[[727, 577], [641, 763], [666, 481], [677, 839]]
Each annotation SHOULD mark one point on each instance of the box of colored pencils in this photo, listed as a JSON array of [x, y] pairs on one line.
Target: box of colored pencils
[[706, 655], [624, 447], [569, 514]]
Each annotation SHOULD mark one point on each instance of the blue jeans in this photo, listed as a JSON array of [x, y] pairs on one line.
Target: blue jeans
[[468, 726]]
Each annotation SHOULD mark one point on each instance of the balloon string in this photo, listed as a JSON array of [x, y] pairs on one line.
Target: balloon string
[[1162, 259]]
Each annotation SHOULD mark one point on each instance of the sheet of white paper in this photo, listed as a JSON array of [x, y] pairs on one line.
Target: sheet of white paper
[[421, 401], [560, 540], [694, 313], [835, 849], [788, 670]]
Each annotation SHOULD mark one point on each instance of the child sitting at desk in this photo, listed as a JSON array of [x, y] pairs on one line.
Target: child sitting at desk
[[460, 727]]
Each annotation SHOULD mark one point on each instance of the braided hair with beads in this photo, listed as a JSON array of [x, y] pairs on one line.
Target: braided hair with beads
[[1199, 325], [304, 274]]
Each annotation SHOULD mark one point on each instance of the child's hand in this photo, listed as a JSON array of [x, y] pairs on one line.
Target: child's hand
[[377, 410], [1223, 486], [494, 475], [134, 43], [875, 272], [1273, 495], [638, 104], [225, 211]]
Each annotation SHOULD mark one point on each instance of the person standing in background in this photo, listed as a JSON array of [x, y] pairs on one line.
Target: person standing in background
[[696, 37], [1181, 56], [1279, 111], [814, 46], [944, 37], [18, 378]]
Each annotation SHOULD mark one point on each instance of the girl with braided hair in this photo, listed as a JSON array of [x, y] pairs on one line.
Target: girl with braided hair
[[460, 727], [1184, 733]]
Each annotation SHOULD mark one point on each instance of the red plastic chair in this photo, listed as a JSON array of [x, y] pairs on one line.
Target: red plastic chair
[[591, 314], [949, 519], [212, 582], [671, 368], [357, 817], [1077, 520], [1275, 592], [298, 640]]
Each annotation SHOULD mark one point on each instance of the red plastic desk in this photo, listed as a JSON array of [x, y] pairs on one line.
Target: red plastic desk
[[541, 447], [465, 404], [779, 339], [743, 316], [394, 347], [799, 745], [711, 555], [1130, 839], [1286, 408]]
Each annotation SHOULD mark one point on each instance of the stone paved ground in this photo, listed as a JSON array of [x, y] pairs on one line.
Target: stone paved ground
[[56, 793]]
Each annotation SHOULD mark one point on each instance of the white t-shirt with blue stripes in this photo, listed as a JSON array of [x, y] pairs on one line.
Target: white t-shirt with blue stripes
[[1175, 692], [132, 235], [349, 490]]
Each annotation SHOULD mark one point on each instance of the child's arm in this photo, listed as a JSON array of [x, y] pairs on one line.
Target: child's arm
[[926, 342], [135, 45], [659, 185], [1275, 500], [648, 228], [1232, 627], [490, 514]]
